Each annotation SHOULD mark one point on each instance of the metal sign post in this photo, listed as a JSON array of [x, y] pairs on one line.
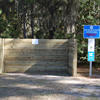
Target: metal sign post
[[91, 32], [91, 53], [90, 74]]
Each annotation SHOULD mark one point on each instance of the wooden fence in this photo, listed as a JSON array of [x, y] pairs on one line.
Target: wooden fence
[[50, 55]]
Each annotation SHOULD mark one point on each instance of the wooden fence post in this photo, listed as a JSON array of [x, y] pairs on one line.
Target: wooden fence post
[[75, 59], [72, 57], [1, 55]]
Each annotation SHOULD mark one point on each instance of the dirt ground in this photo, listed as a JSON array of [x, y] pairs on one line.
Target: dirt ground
[[83, 71], [48, 87]]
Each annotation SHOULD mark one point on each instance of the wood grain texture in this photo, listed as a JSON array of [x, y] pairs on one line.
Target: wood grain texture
[[54, 55], [50, 55], [1, 55], [36, 69], [72, 57]]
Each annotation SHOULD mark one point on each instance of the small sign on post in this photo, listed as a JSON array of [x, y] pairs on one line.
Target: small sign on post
[[91, 49], [35, 41], [91, 32], [91, 53]]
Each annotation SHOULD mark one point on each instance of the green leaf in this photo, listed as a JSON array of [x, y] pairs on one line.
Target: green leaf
[[90, 17], [98, 2], [83, 17], [0, 11], [10, 0]]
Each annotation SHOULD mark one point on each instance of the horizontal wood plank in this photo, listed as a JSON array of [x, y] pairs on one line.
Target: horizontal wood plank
[[35, 69]]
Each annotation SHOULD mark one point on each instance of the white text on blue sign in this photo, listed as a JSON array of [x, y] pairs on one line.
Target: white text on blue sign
[[91, 31]]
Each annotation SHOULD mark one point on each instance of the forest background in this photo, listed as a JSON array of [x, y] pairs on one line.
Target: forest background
[[51, 19]]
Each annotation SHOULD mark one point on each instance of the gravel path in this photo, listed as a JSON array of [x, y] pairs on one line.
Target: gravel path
[[48, 87]]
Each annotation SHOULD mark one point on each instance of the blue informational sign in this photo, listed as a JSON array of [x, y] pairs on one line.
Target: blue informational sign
[[91, 56], [91, 31]]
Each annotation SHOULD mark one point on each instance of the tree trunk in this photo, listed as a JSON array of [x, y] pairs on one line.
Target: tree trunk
[[71, 15], [24, 21], [51, 23], [32, 20], [16, 6]]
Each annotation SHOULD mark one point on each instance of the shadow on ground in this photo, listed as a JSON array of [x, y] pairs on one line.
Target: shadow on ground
[[41, 87]]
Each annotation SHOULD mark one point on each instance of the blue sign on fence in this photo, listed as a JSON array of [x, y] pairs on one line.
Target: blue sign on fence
[[91, 31], [91, 56]]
